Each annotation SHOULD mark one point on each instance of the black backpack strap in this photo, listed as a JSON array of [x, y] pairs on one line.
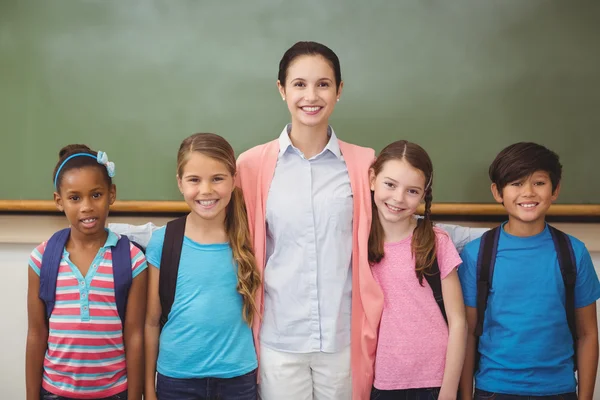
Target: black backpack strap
[[434, 280], [486, 260], [568, 270], [169, 265]]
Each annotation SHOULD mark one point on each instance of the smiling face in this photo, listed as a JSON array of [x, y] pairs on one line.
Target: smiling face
[[527, 200], [85, 197], [206, 185], [397, 190], [310, 90]]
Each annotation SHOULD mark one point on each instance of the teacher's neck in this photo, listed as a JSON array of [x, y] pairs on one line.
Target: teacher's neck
[[310, 140]]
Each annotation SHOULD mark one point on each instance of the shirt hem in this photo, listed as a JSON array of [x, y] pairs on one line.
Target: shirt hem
[[223, 375]]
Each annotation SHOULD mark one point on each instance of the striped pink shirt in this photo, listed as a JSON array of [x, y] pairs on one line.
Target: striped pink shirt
[[86, 357]]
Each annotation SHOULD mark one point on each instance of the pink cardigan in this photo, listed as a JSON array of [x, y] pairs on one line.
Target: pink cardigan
[[255, 171]]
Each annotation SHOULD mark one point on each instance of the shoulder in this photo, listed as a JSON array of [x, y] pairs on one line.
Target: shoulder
[[252, 156], [35, 258], [471, 250], [356, 153], [578, 246], [158, 237]]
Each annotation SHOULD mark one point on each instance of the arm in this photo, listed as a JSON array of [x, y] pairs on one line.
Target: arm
[[37, 337], [466, 379], [133, 336], [457, 335], [587, 350], [152, 331]]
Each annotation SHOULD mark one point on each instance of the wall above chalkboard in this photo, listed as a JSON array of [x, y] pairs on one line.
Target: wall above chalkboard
[[133, 78]]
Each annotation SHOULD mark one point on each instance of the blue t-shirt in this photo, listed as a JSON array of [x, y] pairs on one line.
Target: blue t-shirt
[[526, 346], [205, 335]]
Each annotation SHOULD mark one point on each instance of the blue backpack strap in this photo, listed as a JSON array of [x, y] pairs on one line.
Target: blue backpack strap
[[568, 270], [49, 268], [122, 275]]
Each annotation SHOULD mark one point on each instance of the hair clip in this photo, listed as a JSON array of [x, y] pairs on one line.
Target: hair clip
[[102, 158]]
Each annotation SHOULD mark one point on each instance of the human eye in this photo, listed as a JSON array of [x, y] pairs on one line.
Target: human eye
[[389, 185], [413, 191], [74, 198], [96, 195]]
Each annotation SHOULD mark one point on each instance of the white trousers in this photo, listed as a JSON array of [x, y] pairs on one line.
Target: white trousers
[[304, 376]]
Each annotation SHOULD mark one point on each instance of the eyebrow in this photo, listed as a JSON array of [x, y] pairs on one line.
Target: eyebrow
[[303, 79], [409, 187]]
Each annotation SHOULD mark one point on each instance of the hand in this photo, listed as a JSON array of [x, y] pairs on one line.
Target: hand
[[446, 394], [150, 395]]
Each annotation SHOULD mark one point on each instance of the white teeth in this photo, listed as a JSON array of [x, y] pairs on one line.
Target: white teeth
[[87, 221], [207, 203], [528, 205], [394, 208], [311, 109]]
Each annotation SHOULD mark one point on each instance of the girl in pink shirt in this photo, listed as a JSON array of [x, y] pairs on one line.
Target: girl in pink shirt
[[418, 356]]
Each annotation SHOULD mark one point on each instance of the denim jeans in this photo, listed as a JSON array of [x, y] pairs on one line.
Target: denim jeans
[[405, 394], [46, 395], [485, 395], [239, 388]]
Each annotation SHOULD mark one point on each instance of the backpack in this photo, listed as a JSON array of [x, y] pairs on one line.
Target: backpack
[[169, 266], [434, 280], [122, 274], [485, 271]]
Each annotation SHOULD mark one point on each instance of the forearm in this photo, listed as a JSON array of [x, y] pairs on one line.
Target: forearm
[[587, 365], [466, 379], [151, 336], [455, 355], [34, 363], [134, 355]]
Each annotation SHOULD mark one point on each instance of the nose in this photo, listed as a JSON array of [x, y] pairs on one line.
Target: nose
[[311, 94], [206, 187], [87, 205], [528, 189], [398, 196]]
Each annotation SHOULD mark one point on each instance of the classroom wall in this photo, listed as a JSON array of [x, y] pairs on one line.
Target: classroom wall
[[20, 234]]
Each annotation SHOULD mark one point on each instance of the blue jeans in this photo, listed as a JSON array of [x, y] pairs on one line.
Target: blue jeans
[[485, 395], [239, 388], [405, 394], [46, 395]]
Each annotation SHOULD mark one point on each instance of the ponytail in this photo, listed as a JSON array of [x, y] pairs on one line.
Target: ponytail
[[236, 225], [423, 244]]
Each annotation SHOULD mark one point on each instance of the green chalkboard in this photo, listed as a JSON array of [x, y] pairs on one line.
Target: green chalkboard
[[463, 78]]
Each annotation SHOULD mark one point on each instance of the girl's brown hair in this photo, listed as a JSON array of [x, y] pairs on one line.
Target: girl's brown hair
[[236, 219], [423, 244]]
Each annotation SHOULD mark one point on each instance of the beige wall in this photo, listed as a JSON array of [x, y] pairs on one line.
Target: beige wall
[[20, 234]]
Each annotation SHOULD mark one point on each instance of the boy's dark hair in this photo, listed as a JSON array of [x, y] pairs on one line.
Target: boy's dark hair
[[521, 160], [77, 162], [309, 49]]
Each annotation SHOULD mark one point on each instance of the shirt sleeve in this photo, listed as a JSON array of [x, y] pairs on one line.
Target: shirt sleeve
[[154, 249], [35, 258], [461, 235], [138, 261], [447, 256], [587, 287], [467, 274]]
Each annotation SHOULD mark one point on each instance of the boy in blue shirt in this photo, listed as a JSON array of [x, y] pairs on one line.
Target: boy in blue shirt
[[526, 348]]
